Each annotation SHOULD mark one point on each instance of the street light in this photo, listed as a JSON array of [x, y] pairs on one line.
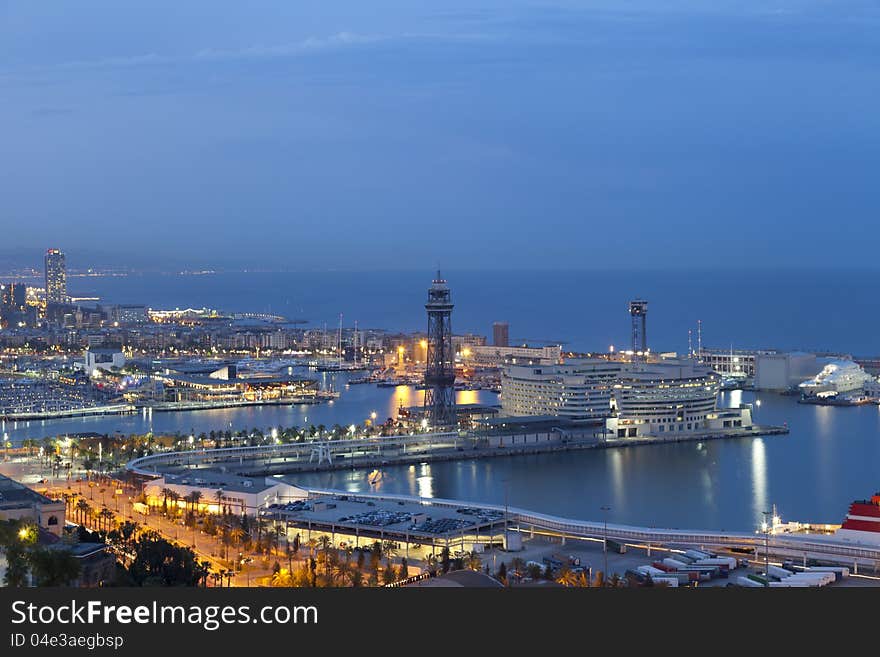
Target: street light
[[605, 510]]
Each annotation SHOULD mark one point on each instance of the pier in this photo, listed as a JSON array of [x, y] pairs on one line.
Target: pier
[[403, 449]]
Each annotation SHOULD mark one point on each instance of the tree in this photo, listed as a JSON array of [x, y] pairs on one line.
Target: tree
[[566, 577], [534, 571], [431, 564], [472, 561], [502, 573], [403, 573], [444, 560], [388, 573], [193, 498], [389, 549], [158, 562], [313, 573], [16, 538], [105, 516], [518, 566], [282, 577], [83, 511], [53, 567]]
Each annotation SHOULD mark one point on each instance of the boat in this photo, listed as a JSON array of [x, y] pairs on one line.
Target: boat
[[390, 383], [836, 377], [862, 522], [375, 477]]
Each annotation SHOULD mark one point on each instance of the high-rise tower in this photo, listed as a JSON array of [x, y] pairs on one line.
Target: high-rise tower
[[501, 334], [56, 277], [638, 310], [440, 366]]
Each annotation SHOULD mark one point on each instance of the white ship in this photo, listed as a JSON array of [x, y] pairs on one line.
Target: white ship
[[838, 376]]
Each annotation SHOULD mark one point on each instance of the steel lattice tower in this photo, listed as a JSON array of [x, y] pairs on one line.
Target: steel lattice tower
[[639, 311], [440, 366]]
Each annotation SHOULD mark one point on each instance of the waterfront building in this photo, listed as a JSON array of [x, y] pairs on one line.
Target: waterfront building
[[784, 371], [228, 389], [838, 376], [730, 362], [492, 356], [662, 398], [577, 390], [501, 334], [17, 501], [56, 277], [221, 492]]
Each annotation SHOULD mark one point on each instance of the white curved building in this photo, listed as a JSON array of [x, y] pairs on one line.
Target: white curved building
[[836, 377], [659, 399], [578, 390]]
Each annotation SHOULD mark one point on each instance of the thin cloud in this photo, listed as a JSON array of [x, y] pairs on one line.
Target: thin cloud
[[311, 44], [118, 62]]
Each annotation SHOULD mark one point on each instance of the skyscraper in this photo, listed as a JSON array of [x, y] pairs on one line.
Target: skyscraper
[[56, 277], [638, 310], [501, 334], [440, 366]]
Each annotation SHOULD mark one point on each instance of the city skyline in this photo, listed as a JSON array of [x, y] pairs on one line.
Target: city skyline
[[337, 137]]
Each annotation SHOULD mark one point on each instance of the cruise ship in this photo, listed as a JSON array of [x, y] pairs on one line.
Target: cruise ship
[[838, 376], [862, 523]]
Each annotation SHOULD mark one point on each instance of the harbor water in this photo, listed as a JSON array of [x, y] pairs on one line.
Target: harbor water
[[830, 457]]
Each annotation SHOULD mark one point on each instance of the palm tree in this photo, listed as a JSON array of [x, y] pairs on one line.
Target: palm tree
[[389, 549], [566, 577], [518, 565], [282, 578], [431, 563], [472, 561], [219, 496], [175, 496], [193, 498], [388, 576], [225, 540], [82, 510], [105, 516]]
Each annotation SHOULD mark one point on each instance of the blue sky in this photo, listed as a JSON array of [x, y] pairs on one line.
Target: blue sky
[[478, 134]]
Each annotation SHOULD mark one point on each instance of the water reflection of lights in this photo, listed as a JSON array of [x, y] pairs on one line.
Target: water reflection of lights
[[759, 477], [823, 419], [425, 486], [617, 483]]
